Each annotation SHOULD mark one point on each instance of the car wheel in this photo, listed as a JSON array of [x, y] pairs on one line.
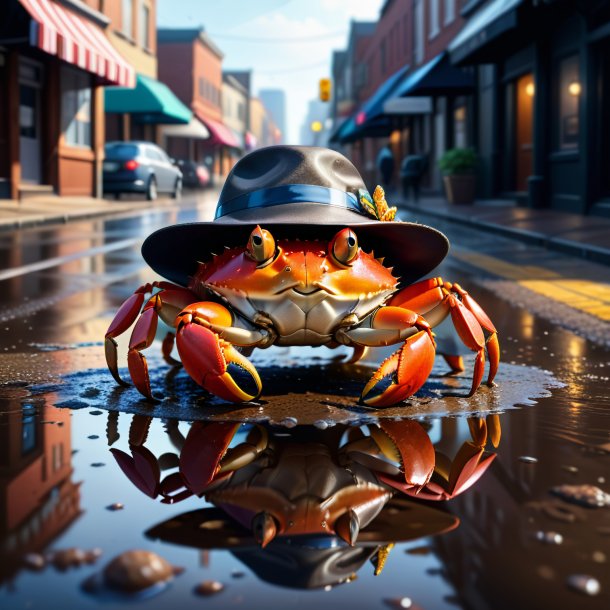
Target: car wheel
[[151, 189], [177, 194]]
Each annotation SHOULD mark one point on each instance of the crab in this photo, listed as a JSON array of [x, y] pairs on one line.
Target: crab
[[290, 292]]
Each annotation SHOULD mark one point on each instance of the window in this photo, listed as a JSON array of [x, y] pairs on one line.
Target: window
[[434, 20], [569, 94], [459, 127], [76, 107], [144, 25], [449, 11], [127, 14], [418, 38], [382, 56]]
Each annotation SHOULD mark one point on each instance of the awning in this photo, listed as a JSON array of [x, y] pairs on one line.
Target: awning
[[56, 30], [221, 134], [150, 102], [250, 141], [485, 25], [195, 130], [437, 77]]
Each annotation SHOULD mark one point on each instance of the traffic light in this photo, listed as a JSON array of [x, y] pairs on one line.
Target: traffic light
[[325, 89]]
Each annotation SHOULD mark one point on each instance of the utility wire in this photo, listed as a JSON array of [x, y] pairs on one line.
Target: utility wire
[[279, 40]]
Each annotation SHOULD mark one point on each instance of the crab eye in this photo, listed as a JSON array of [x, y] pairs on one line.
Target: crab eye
[[261, 246], [344, 246]]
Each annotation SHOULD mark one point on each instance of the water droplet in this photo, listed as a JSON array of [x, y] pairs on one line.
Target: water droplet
[[321, 424], [289, 422], [549, 537], [528, 459], [585, 495], [584, 584]]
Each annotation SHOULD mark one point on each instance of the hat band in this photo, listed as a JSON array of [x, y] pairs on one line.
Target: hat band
[[289, 193]]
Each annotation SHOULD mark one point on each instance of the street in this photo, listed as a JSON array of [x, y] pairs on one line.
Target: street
[[62, 284]]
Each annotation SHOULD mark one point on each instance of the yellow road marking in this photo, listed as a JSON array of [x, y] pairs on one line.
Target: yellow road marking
[[590, 297]]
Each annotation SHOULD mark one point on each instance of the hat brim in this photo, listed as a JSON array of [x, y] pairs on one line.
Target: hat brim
[[412, 249]]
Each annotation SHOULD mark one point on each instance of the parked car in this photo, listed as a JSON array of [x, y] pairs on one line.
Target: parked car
[[140, 167], [194, 175]]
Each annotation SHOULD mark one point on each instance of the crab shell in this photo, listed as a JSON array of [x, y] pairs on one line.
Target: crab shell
[[304, 290]]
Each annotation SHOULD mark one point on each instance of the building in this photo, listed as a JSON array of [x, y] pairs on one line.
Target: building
[[263, 129], [55, 58], [543, 101], [190, 64], [275, 102], [244, 78], [138, 114], [235, 111], [410, 97]]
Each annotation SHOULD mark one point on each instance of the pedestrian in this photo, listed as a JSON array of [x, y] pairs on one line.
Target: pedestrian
[[412, 170], [385, 165]]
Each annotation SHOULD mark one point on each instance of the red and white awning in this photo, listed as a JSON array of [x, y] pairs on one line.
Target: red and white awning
[[58, 31]]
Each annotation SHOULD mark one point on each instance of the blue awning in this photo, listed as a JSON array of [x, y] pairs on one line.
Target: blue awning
[[485, 25], [437, 77], [369, 119]]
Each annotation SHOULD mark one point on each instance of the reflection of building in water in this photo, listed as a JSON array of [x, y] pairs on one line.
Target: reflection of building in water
[[38, 499]]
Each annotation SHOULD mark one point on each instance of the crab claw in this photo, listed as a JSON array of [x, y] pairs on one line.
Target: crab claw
[[206, 358], [204, 447], [408, 369], [264, 528]]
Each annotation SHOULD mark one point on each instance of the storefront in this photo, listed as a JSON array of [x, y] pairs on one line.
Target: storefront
[[543, 98], [53, 63]]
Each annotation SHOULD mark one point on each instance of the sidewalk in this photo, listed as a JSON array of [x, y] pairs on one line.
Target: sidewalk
[[53, 209], [583, 236]]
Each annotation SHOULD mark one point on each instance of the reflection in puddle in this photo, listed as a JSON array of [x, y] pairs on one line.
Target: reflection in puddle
[[308, 508]]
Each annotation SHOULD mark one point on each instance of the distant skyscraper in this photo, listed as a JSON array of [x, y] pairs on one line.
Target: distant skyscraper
[[275, 102]]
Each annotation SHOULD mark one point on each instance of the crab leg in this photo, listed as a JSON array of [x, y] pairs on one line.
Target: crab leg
[[168, 302], [206, 355], [410, 366]]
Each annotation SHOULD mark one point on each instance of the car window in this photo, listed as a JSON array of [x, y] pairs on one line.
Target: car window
[[151, 153], [121, 151], [162, 155]]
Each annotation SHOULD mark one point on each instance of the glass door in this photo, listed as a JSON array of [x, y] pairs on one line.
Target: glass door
[[30, 84]]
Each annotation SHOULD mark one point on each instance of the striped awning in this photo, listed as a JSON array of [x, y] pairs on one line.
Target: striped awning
[[78, 41]]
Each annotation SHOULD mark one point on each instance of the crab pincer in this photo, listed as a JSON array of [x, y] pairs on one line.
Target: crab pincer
[[207, 358], [408, 368]]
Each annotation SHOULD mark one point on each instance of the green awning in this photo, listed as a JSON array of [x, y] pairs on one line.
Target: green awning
[[149, 102]]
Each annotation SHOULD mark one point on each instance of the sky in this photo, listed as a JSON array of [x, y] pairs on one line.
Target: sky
[[287, 43]]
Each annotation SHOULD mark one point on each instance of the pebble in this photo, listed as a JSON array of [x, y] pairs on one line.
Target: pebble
[[584, 584], [137, 570], [585, 495], [115, 506], [549, 537], [98, 464], [528, 459], [237, 574], [34, 561], [572, 469], [209, 587], [93, 436]]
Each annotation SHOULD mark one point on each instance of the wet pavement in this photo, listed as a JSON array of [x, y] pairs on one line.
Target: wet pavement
[[105, 472]]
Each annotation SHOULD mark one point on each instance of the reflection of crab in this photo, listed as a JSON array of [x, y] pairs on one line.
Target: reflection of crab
[[300, 293], [332, 482]]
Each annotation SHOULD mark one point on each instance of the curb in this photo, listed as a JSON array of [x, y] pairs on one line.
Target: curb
[[558, 244]]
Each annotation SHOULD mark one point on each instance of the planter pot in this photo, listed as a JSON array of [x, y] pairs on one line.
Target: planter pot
[[460, 188]]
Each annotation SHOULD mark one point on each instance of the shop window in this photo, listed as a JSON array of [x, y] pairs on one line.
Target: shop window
[[459, 127], [144, 25], [127, 18], [449, 11], [569, 94], [76, 107], [434, 20]]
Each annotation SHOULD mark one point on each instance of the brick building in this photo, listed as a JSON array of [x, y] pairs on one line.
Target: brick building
[[55, 58], [190, 64]]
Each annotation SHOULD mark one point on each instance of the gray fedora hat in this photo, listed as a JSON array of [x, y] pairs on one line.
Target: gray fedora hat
[[294, 192]]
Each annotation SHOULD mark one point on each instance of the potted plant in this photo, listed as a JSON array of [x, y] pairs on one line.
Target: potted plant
[[457, 166]]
